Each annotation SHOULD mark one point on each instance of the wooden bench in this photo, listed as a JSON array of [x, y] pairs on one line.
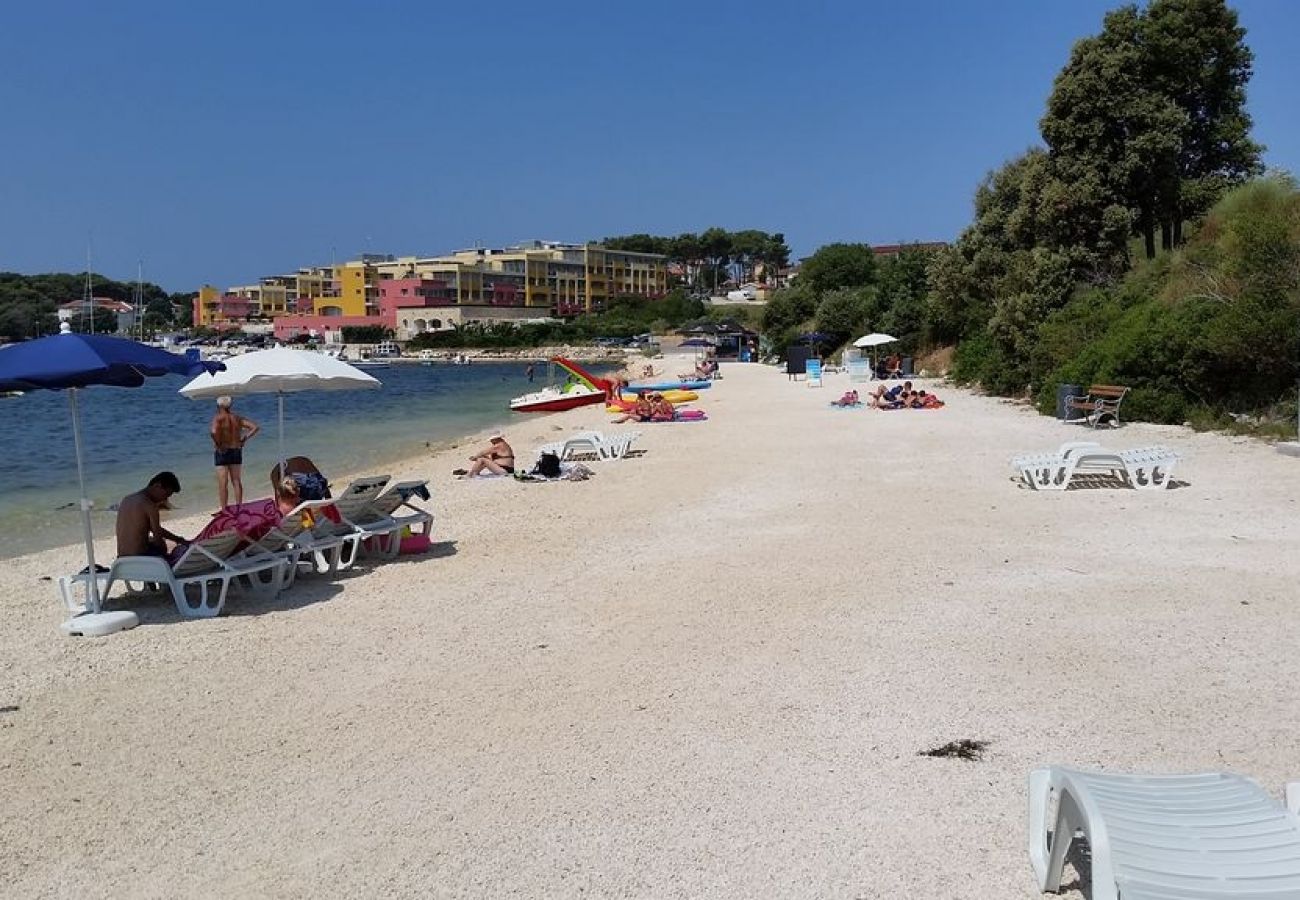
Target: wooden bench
[[1100, 404]]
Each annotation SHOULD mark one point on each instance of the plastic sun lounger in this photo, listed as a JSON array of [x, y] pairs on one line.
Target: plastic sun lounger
[[1143, 468], [299, 545], [359, 522], [381, 520], [1213, 836], [204, 564], [613, 446]]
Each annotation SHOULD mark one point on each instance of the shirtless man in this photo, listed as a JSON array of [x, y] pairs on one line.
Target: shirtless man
[[890, 398], [498, 458], [230, 431], [139, 533]]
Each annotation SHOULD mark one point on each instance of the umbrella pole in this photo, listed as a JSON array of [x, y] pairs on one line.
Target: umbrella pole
[[92, 581], [280, 396]]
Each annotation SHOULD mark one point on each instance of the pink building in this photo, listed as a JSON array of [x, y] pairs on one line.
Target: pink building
[[400, 299]]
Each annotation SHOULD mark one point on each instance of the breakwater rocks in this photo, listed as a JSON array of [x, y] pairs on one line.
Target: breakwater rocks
[[505, 354]]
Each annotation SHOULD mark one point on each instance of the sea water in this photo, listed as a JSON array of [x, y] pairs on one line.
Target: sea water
[[129, 434]]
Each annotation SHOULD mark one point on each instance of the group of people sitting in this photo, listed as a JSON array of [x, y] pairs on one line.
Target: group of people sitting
[[706, 368], [890, 367], [903, 397], [650, 406]]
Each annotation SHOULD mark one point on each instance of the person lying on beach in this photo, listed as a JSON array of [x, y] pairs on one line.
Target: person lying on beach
[[498, 458], [850, 398], [312, 485], [139, 531], [890, 398]]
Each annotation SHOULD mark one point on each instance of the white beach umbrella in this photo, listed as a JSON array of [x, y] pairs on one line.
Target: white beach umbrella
[[279, 371], [875, 339]]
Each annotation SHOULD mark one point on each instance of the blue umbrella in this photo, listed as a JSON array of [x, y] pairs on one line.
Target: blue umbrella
[[72, 361]]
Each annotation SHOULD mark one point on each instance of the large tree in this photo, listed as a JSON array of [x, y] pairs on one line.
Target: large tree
[[839, 266], [1150, 115], [1196, 55]]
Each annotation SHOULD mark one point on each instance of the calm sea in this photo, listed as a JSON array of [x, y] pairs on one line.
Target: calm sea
[[129, 434]]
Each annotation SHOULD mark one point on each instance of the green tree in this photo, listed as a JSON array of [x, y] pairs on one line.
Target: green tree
[[847, 311], [1196, 55], [839, 266]]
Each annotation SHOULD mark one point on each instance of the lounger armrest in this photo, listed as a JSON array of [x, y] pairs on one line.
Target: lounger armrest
[[1293, 797]]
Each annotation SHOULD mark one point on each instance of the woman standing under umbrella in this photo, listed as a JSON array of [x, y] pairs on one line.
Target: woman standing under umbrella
[[230, 432]]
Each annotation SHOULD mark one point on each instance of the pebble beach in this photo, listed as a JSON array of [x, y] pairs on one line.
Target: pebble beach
[[712, 670]]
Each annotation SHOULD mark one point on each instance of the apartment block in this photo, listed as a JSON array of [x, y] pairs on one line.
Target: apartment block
[[412, 294]]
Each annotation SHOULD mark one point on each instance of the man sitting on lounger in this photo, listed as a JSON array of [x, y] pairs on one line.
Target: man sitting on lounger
[[139, 531]]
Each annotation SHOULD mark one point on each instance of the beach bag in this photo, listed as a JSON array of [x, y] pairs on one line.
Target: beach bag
[[548, 466], [311, 486]]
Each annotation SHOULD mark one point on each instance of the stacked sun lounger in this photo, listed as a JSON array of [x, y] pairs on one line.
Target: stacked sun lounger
[[1143, 468]]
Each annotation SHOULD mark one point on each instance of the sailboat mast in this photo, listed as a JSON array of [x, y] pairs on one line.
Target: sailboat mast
[[88, 299], [137, 321]]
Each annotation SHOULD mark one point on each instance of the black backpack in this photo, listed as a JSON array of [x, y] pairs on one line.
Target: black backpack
[[548, 466]]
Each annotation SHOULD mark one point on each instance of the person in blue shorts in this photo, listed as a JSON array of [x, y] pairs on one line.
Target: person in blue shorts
[[890, 398], [230, 431]]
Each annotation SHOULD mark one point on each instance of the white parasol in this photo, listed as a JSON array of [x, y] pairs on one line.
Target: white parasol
[[875, 339], [279, 371]]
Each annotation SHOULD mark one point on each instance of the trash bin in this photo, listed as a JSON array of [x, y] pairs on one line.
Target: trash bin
[[1063, 394], [906, 366]]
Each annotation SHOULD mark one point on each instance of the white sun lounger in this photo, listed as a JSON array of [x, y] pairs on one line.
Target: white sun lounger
[[299, 545], [614, 446], [1143, 468], [382, 522], [204, 564], [1215, 836], [358, 522]]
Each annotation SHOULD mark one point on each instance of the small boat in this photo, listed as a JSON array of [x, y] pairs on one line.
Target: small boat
[[371, 364], [583, 389], [555, 400]]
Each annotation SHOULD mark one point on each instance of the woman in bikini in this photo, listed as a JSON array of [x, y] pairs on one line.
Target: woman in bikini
[[498, 458]]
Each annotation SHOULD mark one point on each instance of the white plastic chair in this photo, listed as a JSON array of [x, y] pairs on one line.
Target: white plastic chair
[[1213, 836], [204, 564]]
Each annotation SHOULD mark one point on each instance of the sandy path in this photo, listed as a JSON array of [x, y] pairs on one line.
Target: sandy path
[[705, 672]]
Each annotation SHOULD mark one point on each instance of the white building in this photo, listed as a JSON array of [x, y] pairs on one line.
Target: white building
[[71, 312]]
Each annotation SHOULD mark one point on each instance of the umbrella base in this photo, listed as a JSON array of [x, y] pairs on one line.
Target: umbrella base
[[99, 624]]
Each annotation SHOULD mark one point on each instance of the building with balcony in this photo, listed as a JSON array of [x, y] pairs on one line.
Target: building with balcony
[[533, 280]]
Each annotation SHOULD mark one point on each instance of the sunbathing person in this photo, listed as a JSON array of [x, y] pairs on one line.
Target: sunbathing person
[[497, 457], [661, 410], [890, 398], [139, 531], [850, 398], [641, 411]]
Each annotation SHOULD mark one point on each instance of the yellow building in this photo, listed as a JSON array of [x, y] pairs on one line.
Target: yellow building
[[562, 278]]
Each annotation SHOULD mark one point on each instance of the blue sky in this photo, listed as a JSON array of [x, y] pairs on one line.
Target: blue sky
[[221, 142]]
